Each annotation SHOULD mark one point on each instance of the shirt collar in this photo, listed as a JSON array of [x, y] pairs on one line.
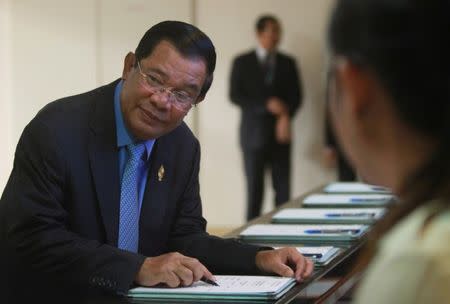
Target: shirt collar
[[124, 137], [261, 52]]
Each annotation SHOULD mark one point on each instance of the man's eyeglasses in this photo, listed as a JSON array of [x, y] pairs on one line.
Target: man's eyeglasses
[[181, 100]]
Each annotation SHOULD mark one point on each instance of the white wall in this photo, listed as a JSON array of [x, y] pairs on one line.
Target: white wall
[[5, 92], [53, 54], [54, 48]]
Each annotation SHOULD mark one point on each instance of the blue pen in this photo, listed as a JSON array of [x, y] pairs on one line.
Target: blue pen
[[359, 214], [332, 231]]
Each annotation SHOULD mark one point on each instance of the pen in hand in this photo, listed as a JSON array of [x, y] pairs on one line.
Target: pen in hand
[[208, 281]]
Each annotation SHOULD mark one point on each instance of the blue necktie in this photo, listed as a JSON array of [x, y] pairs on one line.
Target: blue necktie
[[129, 199]]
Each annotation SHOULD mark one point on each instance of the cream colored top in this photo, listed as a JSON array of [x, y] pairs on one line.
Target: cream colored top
[[410, 267]]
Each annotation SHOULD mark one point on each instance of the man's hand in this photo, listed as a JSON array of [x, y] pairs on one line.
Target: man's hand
[[283, 129], [276, 106], [173, 269], [287, 262]]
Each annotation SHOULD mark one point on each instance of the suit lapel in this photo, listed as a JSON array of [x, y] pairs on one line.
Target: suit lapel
[[155, 201], [277, 71], [257, 67], [104, 161]]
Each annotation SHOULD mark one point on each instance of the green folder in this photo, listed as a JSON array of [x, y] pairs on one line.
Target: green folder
[[230, 288], [304, 234], [328, 215]]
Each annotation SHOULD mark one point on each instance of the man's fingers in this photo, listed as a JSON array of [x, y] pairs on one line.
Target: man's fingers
[[198, 269], [308, 269], [283, 270], [185, 275], [172, 280]]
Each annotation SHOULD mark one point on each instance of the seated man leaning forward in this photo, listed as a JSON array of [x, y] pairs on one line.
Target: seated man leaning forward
[[104, 193]]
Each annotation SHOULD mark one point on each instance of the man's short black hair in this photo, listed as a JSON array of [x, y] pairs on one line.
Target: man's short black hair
[[262, 21], [187, 39]]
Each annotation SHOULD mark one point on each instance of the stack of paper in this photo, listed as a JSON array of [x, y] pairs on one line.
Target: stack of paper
[[306, 234], [347, 200], [354, 187], [328, 216], [230, 288]]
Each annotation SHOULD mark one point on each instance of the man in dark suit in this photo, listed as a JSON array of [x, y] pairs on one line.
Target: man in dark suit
[[334, 157], [104, 192], [266, 85]]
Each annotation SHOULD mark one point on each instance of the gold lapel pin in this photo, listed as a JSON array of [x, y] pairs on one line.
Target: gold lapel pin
[[161, 173]]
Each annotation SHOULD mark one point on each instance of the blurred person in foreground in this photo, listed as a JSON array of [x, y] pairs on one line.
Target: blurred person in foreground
[[390, 107]]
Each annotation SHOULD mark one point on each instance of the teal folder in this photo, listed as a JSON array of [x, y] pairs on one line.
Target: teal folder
[[304, 234], [328, 215], [230, 288]]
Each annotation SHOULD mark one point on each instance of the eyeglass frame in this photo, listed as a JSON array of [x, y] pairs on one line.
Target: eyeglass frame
[[173, 98]]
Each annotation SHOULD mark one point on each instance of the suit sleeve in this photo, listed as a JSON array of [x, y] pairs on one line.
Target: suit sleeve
[[219, 255], [294, 96], [38, 226], [238, 92]]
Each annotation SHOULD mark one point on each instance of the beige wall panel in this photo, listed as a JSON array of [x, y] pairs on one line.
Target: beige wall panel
[[53, 54], [5, 91]]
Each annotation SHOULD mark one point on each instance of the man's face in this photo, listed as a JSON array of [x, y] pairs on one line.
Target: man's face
[[149, 111], [270, 36]]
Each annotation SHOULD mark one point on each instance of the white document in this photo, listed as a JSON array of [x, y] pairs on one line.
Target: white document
[[328, 213], [344, 199], [319, 254], [302, 230], [228, 284], [308, 250], [315, 250], [354, 187]]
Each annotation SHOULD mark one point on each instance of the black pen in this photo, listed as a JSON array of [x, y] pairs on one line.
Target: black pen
[[312, 255], [208, 281]]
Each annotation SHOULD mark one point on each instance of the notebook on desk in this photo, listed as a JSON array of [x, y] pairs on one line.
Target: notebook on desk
[[230, 288], [347, 200], [328, 215], [354, 187], [304, 234]]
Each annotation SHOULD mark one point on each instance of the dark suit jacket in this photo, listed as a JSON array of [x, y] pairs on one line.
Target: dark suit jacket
[[59, 212], [249, 92]]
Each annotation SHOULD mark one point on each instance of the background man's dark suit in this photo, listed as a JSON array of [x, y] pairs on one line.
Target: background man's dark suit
[[60, 209], [250, 92], [345, 172]]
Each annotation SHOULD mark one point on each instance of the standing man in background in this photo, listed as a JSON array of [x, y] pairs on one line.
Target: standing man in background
[[266, 85]]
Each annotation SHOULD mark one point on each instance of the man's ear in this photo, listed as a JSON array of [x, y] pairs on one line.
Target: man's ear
[[128, 64], [356, 84]]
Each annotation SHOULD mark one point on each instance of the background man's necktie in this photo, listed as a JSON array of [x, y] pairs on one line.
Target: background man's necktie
[[267, 65], [129, 200]]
